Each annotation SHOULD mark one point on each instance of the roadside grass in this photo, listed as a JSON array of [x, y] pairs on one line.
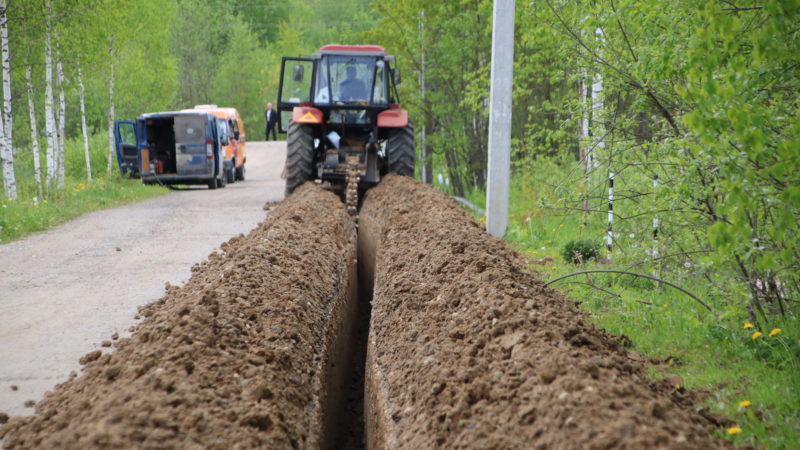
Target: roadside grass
[[26, 216], [32, 213], [753, 379]]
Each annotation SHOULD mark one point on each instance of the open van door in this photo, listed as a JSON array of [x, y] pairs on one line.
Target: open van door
[[127, 144], [218, 157], [294, 88]]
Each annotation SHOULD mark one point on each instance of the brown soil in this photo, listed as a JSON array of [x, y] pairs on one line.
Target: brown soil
[[464, 349], [241, 356], [467, 349]]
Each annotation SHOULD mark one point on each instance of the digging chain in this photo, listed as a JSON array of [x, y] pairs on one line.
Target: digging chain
[[351, 189]]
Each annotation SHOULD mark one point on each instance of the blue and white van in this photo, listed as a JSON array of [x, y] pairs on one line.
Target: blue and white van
[[173, 148]]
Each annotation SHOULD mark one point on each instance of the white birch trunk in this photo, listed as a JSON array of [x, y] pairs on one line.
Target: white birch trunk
[[599, 132], [9, 180], [598, 128], [50, 120], [61, 122], [111, 113], [584, 145], [37, 164], [86, 153]]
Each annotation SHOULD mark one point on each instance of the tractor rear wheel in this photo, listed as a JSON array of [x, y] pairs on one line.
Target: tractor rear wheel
[[299, 156], [400, 150]]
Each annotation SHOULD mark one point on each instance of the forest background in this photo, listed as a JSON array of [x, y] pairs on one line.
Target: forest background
[[681, 115]]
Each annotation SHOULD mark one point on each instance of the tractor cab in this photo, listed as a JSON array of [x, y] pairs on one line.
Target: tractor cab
[[355, 78], [340, 111]]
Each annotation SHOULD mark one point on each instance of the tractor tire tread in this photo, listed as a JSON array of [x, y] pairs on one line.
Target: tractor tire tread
[[401, 151], [299, 156]]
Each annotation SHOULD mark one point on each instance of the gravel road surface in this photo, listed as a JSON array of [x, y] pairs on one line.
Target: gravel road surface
[[65, 291]]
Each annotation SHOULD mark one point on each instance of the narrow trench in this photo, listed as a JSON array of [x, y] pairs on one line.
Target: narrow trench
[[346, 420], [353, 432]]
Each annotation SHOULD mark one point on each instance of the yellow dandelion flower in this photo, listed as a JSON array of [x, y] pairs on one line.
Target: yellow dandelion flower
[[756, 335], [744, 403], [734, 430], [747, 325], [774, 332]]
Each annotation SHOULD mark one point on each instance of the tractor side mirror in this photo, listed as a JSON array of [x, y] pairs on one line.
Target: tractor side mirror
[[396, 74], [298, 73]]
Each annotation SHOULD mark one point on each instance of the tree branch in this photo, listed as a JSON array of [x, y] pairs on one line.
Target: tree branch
[[694, 297]]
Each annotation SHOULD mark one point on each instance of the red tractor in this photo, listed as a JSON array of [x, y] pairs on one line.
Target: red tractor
[[345, 125]]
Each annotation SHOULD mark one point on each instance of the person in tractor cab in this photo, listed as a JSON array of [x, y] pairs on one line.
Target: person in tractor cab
[[352, 88]]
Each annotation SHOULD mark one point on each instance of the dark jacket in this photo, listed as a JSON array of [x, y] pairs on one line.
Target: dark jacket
[[271, 116]]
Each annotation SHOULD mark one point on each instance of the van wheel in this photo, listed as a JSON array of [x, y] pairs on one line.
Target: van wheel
[[212, 184], [230, 176], [240, 173], [223, 180]]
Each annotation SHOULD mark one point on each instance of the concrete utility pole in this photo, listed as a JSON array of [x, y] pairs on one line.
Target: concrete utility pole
[[425, 170], [500, 117]]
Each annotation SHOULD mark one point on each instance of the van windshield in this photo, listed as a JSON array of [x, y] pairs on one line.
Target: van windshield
[[190, 129]]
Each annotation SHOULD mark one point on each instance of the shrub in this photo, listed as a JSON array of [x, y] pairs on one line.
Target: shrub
[[580, 251]]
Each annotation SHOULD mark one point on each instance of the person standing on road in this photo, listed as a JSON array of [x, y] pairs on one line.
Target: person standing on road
[[272, 119]]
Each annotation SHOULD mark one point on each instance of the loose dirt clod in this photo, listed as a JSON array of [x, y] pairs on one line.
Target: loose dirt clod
[[237, 358], [467, 349]]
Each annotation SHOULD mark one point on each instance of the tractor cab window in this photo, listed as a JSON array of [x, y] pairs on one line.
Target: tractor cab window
[[379, 90], [321, 92], [350, 77]]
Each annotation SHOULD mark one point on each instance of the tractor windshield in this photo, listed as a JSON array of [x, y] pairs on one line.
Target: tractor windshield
[[349, 79]]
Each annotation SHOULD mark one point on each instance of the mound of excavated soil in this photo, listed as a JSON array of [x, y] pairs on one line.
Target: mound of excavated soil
[[238, 357], [467, 349]]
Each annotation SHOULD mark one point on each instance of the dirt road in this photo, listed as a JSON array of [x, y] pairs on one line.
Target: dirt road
[[65, 291]]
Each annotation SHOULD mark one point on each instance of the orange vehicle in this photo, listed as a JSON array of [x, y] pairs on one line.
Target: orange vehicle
[[235, 154]]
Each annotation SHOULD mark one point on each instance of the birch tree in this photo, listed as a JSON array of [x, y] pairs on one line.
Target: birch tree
[[111, 112], [9, 180], [61, 122], [49, 115], [584, 146], [37, 165], [82, 97]]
